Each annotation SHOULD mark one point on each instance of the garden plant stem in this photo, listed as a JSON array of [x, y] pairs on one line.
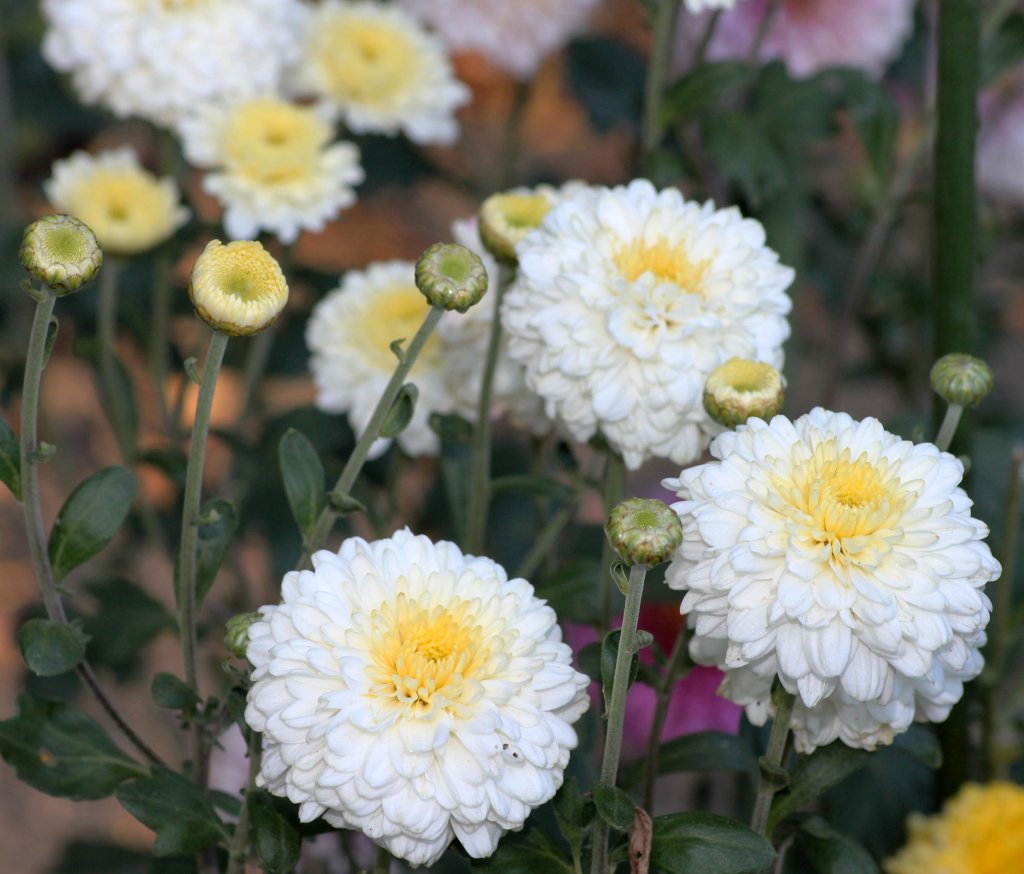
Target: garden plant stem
[[766, 787], [663, 29]]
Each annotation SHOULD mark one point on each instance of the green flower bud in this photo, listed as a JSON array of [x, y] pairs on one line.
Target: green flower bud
[[238, 288], [507, 218], [741, 389], [236, 633], [644, 531], [61, 252], [961, 379], [451, 276]]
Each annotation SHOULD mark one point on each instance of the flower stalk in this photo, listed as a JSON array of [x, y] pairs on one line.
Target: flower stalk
[[771, 763], [663, 29]]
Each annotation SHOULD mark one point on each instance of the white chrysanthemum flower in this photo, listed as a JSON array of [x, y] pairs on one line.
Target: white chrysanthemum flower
[[415, 693], [626, 299], [276, 169], [381, 70], [842, 559], [160, 59], [350, 333], [127, 207], [515, 37]]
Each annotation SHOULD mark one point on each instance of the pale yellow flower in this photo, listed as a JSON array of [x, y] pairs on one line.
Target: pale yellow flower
[[238, 288]]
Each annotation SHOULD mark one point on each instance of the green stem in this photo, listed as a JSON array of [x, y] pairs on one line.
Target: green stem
[[106, 335], [663, 29], [186, 589], [547, 538], [160, 313], [676, 663], [706, 37], [382, 863], [948, 428], [480, 490], [357, 459], [767, 787], [617, 708], [614, 486], [238, 852]]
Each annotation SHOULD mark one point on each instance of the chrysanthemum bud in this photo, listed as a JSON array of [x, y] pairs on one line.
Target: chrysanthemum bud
[[451, 276], [236, 633], [61, 252], [238, 288], [506, 218], [644, 531], [741, 389], [961, 379]]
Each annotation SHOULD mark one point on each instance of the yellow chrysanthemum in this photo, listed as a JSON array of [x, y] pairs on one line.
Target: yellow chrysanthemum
[[128, 208], [980, 831], [238, 288]]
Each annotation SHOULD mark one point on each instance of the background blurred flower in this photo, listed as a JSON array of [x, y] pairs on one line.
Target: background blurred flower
[[842, 559], [810, 35], [126, 206], [415, 693], [980, 830], [515, 37], [1001, 139], [275, 166], [626, 299], [160, 59], [349, 334], [378, 67]]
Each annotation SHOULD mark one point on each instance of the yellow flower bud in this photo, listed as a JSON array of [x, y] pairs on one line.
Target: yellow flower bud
[[507, 218], [741, 389], [238, 288]]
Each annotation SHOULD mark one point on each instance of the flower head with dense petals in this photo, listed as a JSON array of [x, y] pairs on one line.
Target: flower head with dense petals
[[980, 831], [841, 558], [811, 35], [350, 333], [626, 299], [275, 166], [415, 693], [514, 37], [238, 288], [377, 66], [160, 59], [128, 208]]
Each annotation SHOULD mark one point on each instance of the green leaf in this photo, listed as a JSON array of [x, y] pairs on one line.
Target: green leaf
[[214, 539], [176, 809], [745, 156], [10, 459], [51, 648], [574, 812], [303, 475], [127, 621], [706, 87], [813, 775], [703, 751], [61, 751], [174, 693], [119, 401], [830, 851], [86, 857], [614, 806], [400, 414], [571, 589], [276, 840], [90, 518], [607, 76], [343, 504], [609, 652], [687, 842], [527, 852]]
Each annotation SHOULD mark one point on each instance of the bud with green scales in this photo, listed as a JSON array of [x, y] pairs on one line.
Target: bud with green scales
[[961, 379], [644, 531], [61, 252], [451, 276], [236, 633], [741, 389]]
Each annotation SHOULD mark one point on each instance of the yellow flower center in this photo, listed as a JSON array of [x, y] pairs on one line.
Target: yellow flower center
[[181, 5], [396, 313], [367, 62], [271, 141], [427, 657], [667, 263], [127, 209]]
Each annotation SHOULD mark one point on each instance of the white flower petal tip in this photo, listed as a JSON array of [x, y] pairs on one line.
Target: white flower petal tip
[[415, 693], [842, 559]]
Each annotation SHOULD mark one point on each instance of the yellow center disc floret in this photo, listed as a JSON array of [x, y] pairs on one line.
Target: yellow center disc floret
[[271, 141], [666, 262]]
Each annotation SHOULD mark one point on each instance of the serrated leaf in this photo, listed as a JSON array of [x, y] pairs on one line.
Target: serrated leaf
[[400, 414], [614, 806], [214, 539], [174, 693], [176, 809], [303, 476], [61, 751], [277, 841], [704, 88], [701, 752], [815, 774], [90, 518], [609, 652], [687, 842], [830, 851], [51, 648], [527, 852], [10, 459]]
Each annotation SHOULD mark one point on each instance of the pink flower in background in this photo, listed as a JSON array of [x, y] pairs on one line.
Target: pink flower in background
[[809, 35], [695, 704]]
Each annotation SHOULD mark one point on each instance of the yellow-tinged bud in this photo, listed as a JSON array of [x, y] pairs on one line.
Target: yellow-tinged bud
[[238, 288], [507, 218], [236, 633], [451, 276], [961, 379], [62, 252], [741, 389], [644, 531]]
